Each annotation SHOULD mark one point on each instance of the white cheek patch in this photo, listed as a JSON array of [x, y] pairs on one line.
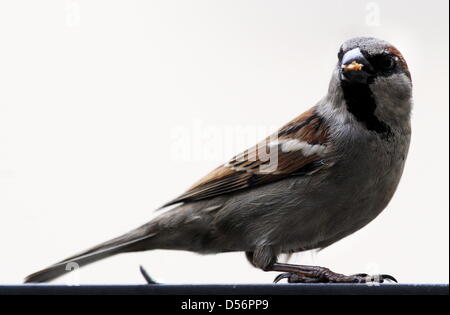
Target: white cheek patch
[[393, 95], [306, 148]]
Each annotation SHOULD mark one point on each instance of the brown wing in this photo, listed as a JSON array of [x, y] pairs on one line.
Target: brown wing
[[296, 149]]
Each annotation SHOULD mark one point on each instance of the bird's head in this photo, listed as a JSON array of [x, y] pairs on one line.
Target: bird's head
[[375, 82], [363, 60]]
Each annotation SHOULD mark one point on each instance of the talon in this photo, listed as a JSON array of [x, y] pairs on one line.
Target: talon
[[294, 278], [281, 277], [389, 277]]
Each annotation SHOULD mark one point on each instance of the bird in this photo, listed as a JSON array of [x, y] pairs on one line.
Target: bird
[[321, 177]]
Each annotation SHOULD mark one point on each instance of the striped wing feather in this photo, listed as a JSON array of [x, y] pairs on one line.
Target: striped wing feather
[[299, 147]]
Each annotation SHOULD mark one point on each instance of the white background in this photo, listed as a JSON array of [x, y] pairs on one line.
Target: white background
[[94, 95]]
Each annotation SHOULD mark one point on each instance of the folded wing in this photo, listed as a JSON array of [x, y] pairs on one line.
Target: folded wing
[[297, 149]]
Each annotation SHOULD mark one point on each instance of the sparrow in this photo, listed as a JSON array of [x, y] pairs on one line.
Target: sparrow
[[319, 178]]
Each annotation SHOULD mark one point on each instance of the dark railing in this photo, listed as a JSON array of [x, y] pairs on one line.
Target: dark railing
[[238, 289]]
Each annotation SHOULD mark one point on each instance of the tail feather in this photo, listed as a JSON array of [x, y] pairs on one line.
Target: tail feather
[[125, 243]]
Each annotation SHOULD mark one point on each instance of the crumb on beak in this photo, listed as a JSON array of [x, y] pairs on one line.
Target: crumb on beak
[[354, 66]]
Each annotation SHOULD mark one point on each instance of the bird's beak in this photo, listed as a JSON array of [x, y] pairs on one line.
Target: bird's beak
[[355, 67]]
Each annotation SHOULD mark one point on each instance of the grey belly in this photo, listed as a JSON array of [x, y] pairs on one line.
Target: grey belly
[[307, 212]]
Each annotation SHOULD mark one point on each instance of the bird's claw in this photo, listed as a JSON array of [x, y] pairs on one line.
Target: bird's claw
[[294, 278], [331, 277], [282, 276]]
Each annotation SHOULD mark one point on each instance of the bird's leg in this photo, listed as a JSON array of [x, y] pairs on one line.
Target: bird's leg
[[316, 274]]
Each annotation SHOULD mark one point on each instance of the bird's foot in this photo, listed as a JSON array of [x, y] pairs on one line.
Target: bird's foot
[[315, 274]]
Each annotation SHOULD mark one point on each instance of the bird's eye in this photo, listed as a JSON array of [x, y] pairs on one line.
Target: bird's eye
[[387, 63], [383, 63]]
